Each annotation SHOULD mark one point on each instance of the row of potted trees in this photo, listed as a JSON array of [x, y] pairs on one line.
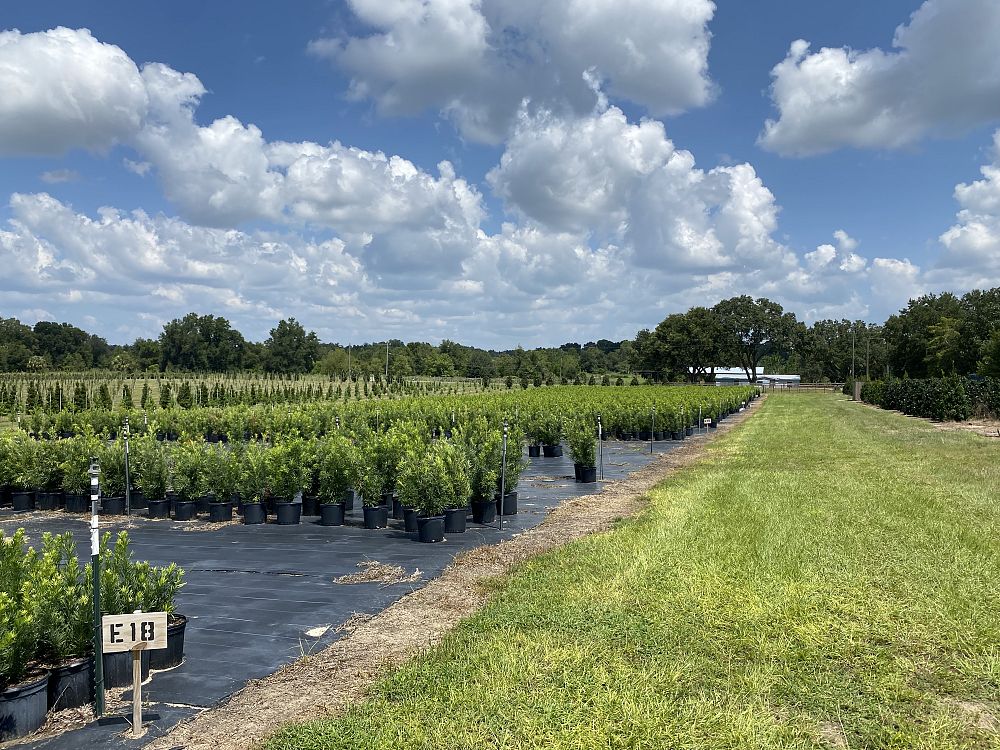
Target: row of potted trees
[[46, 648]]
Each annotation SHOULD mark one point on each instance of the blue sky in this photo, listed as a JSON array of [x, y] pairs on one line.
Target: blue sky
[[570, 210]]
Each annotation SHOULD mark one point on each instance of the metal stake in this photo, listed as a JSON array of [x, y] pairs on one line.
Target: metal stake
[[503, 473], [128, 482], [600, 445], [652, 429], [95, 562]]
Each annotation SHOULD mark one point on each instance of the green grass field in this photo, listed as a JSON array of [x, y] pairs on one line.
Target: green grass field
[[828, 576]]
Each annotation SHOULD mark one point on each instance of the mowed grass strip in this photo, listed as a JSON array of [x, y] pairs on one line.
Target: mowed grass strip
[[829, 576]]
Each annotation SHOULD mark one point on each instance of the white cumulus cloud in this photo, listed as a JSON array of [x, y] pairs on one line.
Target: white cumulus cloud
[[479, 60], [63, 89], [941, 76]]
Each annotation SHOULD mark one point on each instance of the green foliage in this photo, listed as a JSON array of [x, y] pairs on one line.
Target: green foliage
[[434, 477], [288, 468], [187, 463], [253, 472], [112, 458], [127, 585], [219, 473], [581, 436], [152, 475], [943, 399], [77, 454], [57, 593], [337, 461], [482, 445]]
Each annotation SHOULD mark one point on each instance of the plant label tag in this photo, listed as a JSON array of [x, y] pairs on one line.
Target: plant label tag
[[145, 631]]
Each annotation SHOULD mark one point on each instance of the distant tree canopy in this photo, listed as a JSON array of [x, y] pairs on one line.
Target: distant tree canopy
[[932, 335]]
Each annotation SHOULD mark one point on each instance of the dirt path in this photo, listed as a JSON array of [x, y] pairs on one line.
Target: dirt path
[[325, 683]]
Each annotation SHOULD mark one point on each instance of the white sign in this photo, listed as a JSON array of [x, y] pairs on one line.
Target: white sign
[[142, 631]]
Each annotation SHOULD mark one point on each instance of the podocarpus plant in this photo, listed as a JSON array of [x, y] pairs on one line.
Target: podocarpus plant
[[18, 631], [550, 429], [434, 478], [127, 585], [581, 435], [482, 446], [186, 470], [78, 452], [27, 474], [7, 457], [61, 601], [288, 469], [219, 473], [337, 460], [152, 473], [252, 472], [112, 458], [50, 458], [516, 462], [384, 452]]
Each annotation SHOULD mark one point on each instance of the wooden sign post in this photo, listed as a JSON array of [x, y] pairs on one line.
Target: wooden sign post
[[138, 632]]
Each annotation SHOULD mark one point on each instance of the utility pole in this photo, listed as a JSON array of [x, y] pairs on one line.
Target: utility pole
[[868, 352], [853, 330]]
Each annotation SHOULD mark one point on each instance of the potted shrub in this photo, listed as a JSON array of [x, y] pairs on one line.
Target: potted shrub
[[583, 449], [219, 483], [253, 482], [61, 601], [23, 687], [153, 477], [112, 459], [310, 496], [515, 464], [289, 478], [550, 431], [50, 458], [433, 480], [6, 465], [77, 455], [27, 475], [337, 472], [459, 488], [482, 445], [186, 478], [158, 590], [370, 481]]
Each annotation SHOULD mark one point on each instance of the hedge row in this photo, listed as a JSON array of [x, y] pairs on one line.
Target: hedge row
[[944, 399]]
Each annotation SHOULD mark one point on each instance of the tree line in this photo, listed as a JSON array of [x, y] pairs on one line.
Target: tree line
[[935, 334]]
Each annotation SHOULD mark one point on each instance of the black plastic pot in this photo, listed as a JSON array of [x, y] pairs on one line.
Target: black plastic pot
[[48, 500], [454, 520], [349, 498], [688, 431], [534, 451], [23, 707], [220, 512], [23, 500], [184, 510], [410, 519], [113, 506], [331, 514], [136, 500], [289, 514], [552, 451], [71, 685], [376, 516], [430, 529], [397, 509], [4, 494], [158, 508], [588, 475], [577, 468], [658, 436], [118, 668], [173, 654], [484, 512], [254, 513], [677, 435], [714, 424], [645, 435], [509, 507], [310, 505], [201, 504]]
